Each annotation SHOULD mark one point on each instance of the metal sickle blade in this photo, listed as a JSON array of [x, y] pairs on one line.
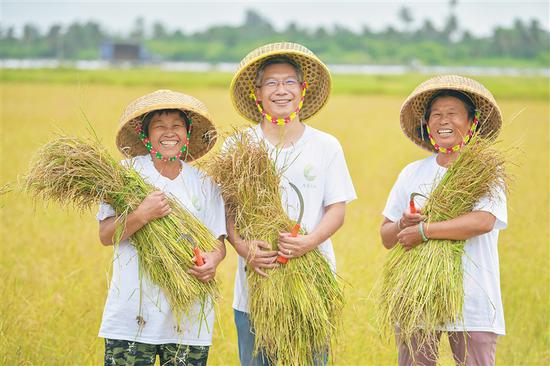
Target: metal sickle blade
[[301, 199]]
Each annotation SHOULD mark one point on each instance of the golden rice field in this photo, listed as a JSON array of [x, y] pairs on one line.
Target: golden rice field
[[54, 271]]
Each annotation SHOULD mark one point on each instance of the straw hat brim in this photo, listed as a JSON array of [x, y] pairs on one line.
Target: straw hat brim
[[203, 133], [414, 107], [316, 74]]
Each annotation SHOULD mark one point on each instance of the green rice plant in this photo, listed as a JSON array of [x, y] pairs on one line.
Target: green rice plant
[[422, 288], [296, 310], [81, 173]]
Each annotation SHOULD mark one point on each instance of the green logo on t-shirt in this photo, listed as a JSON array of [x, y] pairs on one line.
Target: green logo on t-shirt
[[196, 203], [309, 172]]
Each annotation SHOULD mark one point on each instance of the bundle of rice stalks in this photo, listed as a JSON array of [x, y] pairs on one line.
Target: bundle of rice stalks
[[422, 288], [294, 311], [81, 173]]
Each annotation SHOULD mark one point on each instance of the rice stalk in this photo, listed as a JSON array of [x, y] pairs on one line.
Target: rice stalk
[[81, 173], [296, 310], [6, 188]]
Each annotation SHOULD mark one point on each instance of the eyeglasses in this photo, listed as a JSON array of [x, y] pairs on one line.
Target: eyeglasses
[[272, 84]]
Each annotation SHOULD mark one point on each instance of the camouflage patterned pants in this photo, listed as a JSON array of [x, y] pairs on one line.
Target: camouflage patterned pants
[[127, 353]]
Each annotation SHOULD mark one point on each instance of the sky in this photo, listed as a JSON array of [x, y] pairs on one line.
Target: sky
[[478, 17]]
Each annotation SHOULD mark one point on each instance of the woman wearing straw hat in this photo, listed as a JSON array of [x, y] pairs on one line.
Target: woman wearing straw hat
[[279, 86], [160, 132], [440, 116]]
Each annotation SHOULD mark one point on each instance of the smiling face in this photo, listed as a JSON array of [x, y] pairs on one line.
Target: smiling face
[[167, 133], [279, 90], [448, 121]]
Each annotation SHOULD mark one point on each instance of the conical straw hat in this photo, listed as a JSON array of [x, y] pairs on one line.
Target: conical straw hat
[[412, 111], [316, 74], [203, 133]]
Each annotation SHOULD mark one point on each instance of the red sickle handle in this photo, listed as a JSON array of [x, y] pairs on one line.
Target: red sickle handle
[[293, 233], [411, 206], [198, 257], [295, 230]]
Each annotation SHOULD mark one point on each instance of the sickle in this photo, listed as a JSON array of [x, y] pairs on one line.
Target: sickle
[[296, 227], [411, 201]]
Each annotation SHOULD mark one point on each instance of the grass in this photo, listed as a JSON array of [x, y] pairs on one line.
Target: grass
[[527, 87], [55, 272]]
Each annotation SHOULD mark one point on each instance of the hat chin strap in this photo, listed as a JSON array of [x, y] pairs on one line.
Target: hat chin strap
[[280, 121], [145, 139], [459, 146]]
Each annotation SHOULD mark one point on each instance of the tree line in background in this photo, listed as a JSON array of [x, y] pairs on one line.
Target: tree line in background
[[523, 44]]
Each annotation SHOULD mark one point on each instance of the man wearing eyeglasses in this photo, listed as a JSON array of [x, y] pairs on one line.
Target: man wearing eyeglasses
[[278, 86]]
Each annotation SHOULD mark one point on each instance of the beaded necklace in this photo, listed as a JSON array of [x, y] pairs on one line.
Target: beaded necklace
[[154, 152], [280, 121], [459, 146]]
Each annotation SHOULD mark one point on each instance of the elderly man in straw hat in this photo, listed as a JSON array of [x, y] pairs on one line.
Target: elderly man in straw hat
[[278, 87], [160, 132], [440, 116]]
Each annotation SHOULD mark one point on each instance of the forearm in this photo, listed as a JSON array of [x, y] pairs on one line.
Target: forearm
[[461, 228], [388, 233], [332, 220], [107, 227], [220, 250], [235, 239]]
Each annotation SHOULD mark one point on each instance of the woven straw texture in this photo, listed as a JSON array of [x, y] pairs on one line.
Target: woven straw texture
[[316, 74], [203, 133], [412, 111]]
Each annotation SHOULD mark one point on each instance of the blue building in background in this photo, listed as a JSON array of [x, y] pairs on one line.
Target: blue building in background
[[124, 53]]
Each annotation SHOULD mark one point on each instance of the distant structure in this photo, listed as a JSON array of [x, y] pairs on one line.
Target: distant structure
[[120, 53]]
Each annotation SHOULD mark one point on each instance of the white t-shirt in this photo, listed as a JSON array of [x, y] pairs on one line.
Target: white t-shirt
[[202, 198], [482, 308], [316, 165]]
